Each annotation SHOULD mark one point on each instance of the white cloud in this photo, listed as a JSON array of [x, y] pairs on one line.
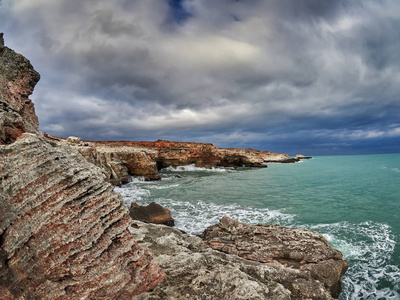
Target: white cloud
[[114, 67]]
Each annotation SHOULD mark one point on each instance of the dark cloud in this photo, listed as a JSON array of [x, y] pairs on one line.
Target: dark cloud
[[292, 76]]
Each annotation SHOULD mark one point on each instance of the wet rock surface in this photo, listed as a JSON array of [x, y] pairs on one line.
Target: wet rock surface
[[152, 213]]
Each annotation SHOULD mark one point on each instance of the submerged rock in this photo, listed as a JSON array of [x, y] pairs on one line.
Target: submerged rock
[[152, 213]]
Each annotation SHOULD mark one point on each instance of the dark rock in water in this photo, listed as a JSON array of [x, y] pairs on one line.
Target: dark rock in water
[[301, 156], [64, 232], [152, 213], [320, 266]]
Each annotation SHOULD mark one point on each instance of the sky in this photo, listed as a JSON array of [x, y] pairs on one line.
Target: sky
[[291, 76]]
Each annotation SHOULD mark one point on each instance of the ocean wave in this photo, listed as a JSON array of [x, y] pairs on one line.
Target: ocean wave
[[193, 168], [194, 217], [132, 193], [369, 248]]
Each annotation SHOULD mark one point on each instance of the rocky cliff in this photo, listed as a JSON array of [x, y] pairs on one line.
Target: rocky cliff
[[64, 233], [123, 159]]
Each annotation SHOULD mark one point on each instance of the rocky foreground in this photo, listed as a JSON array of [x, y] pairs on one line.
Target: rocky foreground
[[65, 234], [233, 260]]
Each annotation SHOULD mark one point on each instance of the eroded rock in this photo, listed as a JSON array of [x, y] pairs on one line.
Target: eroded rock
[[152, 213], [296, 248], [17, 80], [64, 232], [195, 271]]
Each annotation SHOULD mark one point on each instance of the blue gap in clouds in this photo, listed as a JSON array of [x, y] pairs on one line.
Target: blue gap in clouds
[[178, 12]]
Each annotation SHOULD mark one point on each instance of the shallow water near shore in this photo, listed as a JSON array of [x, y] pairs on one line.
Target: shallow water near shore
[[354, 201]]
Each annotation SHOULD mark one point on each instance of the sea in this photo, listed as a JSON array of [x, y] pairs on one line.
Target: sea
[[354, 201]]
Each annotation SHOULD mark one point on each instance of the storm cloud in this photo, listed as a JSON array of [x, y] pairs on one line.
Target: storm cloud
[[319, 77]]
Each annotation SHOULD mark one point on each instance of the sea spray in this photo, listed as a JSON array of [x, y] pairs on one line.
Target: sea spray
[[352, 200]]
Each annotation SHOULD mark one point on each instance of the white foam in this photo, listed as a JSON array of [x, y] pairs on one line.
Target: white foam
[[195, 217], [132, 193], [368, 246], [193, 168], [369, 249]]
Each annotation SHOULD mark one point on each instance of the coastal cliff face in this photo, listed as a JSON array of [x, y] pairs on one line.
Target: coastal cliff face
[[123, 159], [17, 80], [64, 233], [240, 261]]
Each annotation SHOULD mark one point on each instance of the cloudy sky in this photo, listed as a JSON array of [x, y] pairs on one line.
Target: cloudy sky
[[293, 76]]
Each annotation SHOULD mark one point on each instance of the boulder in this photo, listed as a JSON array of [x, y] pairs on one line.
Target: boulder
[[74, 139], [320, 265], [152, 213]]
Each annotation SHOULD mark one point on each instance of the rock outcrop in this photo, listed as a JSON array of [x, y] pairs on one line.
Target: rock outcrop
[[301, 156], [152, 213], [123, 159], [321, 266], [196, 271], [120, 160], [17, 80], [64, 233]]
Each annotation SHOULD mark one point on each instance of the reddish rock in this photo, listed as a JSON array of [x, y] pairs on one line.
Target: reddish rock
[[17, 80], [64, 232], [152, 213]]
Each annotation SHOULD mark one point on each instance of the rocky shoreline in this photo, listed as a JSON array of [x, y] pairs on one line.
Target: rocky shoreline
[[123, 159], [65, 233]]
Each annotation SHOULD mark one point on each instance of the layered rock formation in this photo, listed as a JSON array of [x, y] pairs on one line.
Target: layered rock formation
[[320, 266], [120, 160], [64, 233], [297, 264], [17, 80], [123, 159]]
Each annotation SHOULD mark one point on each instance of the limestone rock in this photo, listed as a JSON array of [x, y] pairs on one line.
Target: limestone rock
[[196, 272], [152, 213], [301, 156], [319, 264], [74, 139], [123, 159], [17, 80], [64, 232]]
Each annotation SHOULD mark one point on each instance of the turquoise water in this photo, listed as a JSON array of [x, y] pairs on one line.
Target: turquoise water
[[354, 201]]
